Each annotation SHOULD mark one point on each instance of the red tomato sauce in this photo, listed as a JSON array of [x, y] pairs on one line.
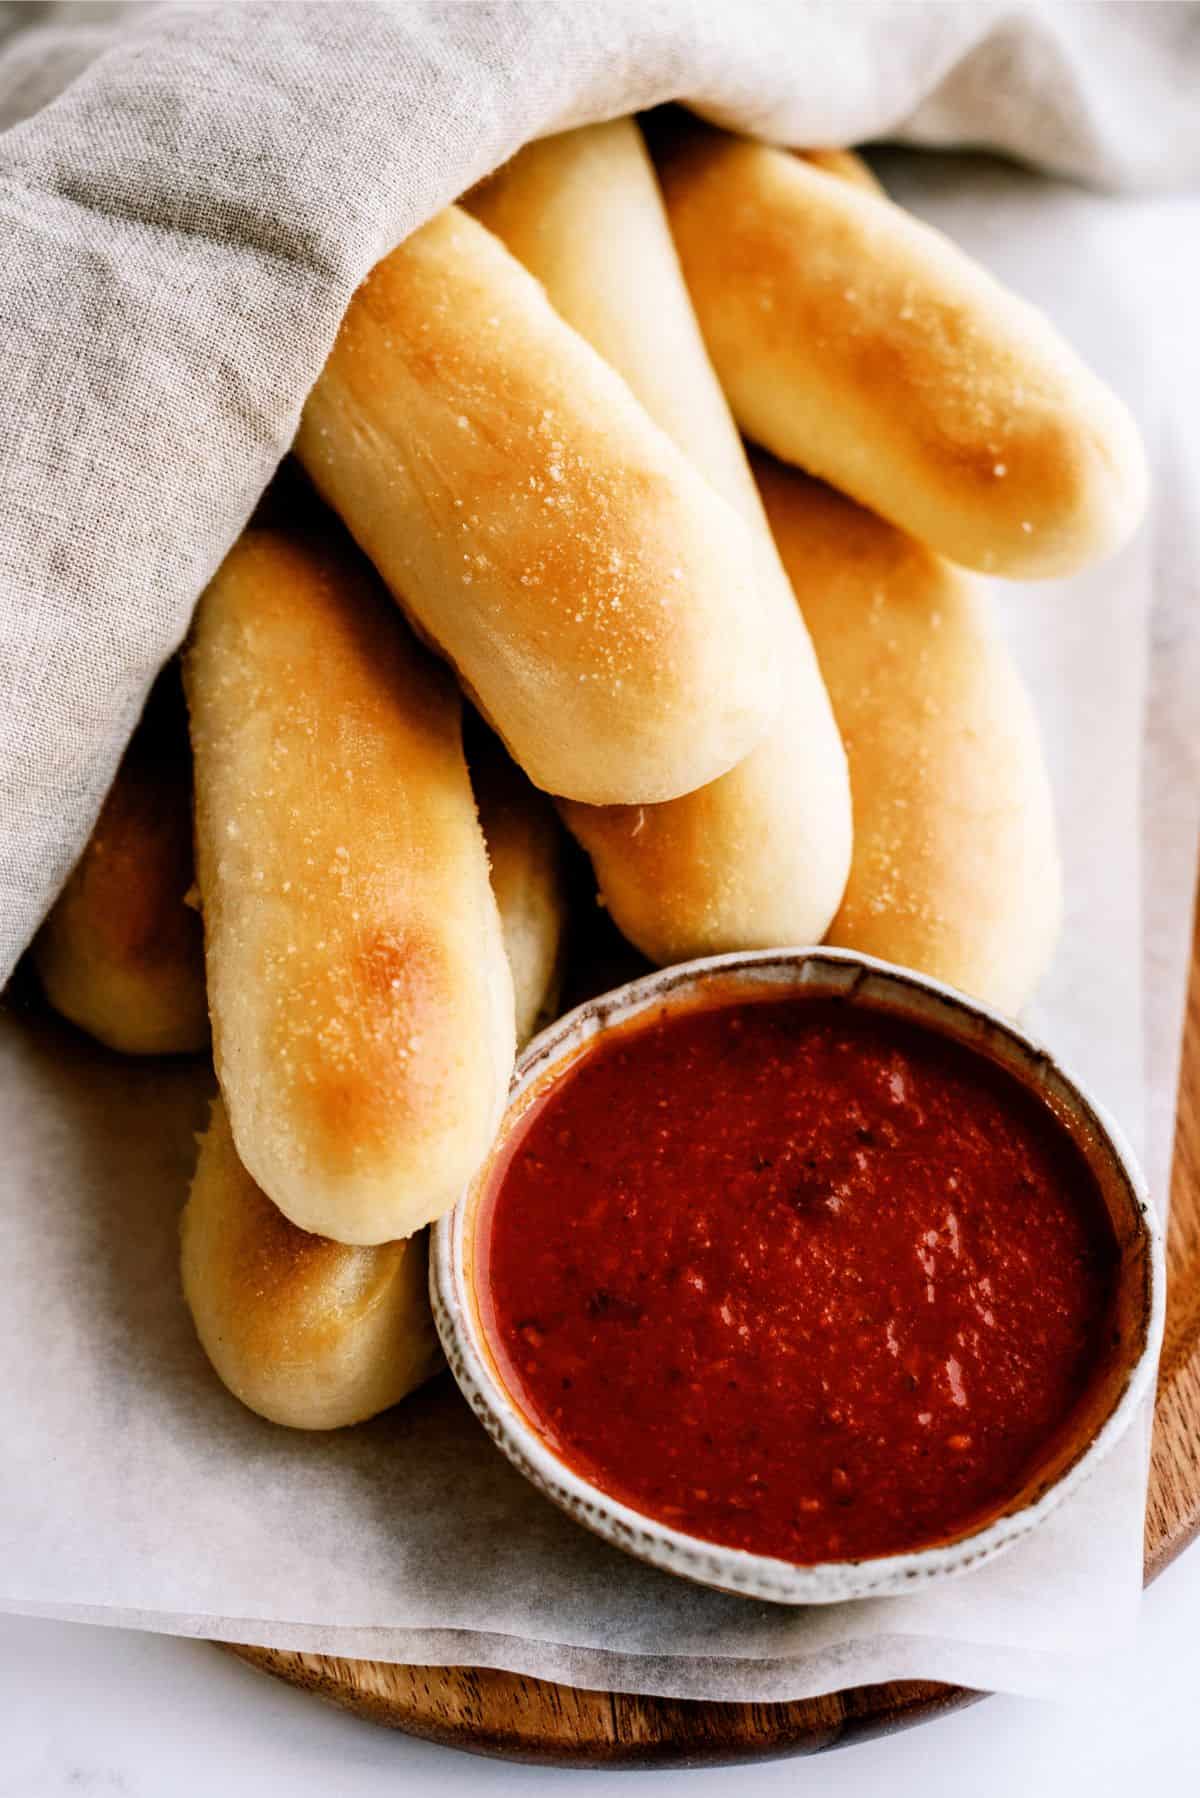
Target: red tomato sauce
[[796, 1277]]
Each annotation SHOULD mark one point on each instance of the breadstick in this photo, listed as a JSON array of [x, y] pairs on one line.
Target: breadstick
[[122, 954], [847, 165], [314, 1333], [592, 593], [306, 1332], [955, 870], [861, 345], [522, 836], [362, 1007], [759, 856]]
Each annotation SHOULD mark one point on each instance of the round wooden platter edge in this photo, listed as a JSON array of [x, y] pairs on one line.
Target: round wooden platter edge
[[490, 1712], [511, 1717]]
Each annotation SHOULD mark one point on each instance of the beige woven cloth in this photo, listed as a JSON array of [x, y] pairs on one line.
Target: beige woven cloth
[[190, 194]]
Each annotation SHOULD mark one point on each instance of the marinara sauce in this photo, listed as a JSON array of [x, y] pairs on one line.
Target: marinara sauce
[[796, 1277]]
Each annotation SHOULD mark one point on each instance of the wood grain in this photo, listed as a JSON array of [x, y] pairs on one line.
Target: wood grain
[[532, 1720], [535, 1721], [1173, 1507]]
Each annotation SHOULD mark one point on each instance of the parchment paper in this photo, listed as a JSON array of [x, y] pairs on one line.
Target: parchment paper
[[135, 1491]]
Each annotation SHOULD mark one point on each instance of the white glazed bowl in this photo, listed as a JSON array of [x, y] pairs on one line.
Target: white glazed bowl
[[1104, 1413]]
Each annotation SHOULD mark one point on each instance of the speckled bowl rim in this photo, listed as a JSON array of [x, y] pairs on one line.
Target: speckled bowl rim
[[857, 978]]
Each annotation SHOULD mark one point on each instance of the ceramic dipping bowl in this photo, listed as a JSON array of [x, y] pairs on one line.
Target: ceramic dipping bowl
[[1121, 1376]]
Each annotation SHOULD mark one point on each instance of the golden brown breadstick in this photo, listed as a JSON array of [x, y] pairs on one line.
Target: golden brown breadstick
[[523, 843], [847, 165], [955, 870], [362, 1007], [318, 1334], [314, 1333], [860, 344], [591, 592], [121, 954], [759, 856], [307, 1332]]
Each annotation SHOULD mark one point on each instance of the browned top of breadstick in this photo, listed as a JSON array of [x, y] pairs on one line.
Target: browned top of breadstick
[[955, 869], [310, 1333], [593, 594], [847, 165], [121, 954], [759, 856], [361, 1003], [862, 345]]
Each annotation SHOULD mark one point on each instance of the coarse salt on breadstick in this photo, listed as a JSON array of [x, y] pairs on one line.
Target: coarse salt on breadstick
[[361, 1003], [759, 856], [592, 593], [318, 1334], [862, 345], [122, 953], [955, 869]]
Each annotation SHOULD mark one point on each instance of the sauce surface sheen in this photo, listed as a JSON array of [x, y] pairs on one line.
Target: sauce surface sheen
[[795, 1277]]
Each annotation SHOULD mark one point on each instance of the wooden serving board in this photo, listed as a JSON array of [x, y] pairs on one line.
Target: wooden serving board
[[533, 1720]]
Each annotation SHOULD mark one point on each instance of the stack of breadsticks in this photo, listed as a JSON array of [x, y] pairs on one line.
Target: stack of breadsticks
[[771, 710]]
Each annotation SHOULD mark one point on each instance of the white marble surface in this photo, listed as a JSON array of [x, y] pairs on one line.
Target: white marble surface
[[114, 1713]]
